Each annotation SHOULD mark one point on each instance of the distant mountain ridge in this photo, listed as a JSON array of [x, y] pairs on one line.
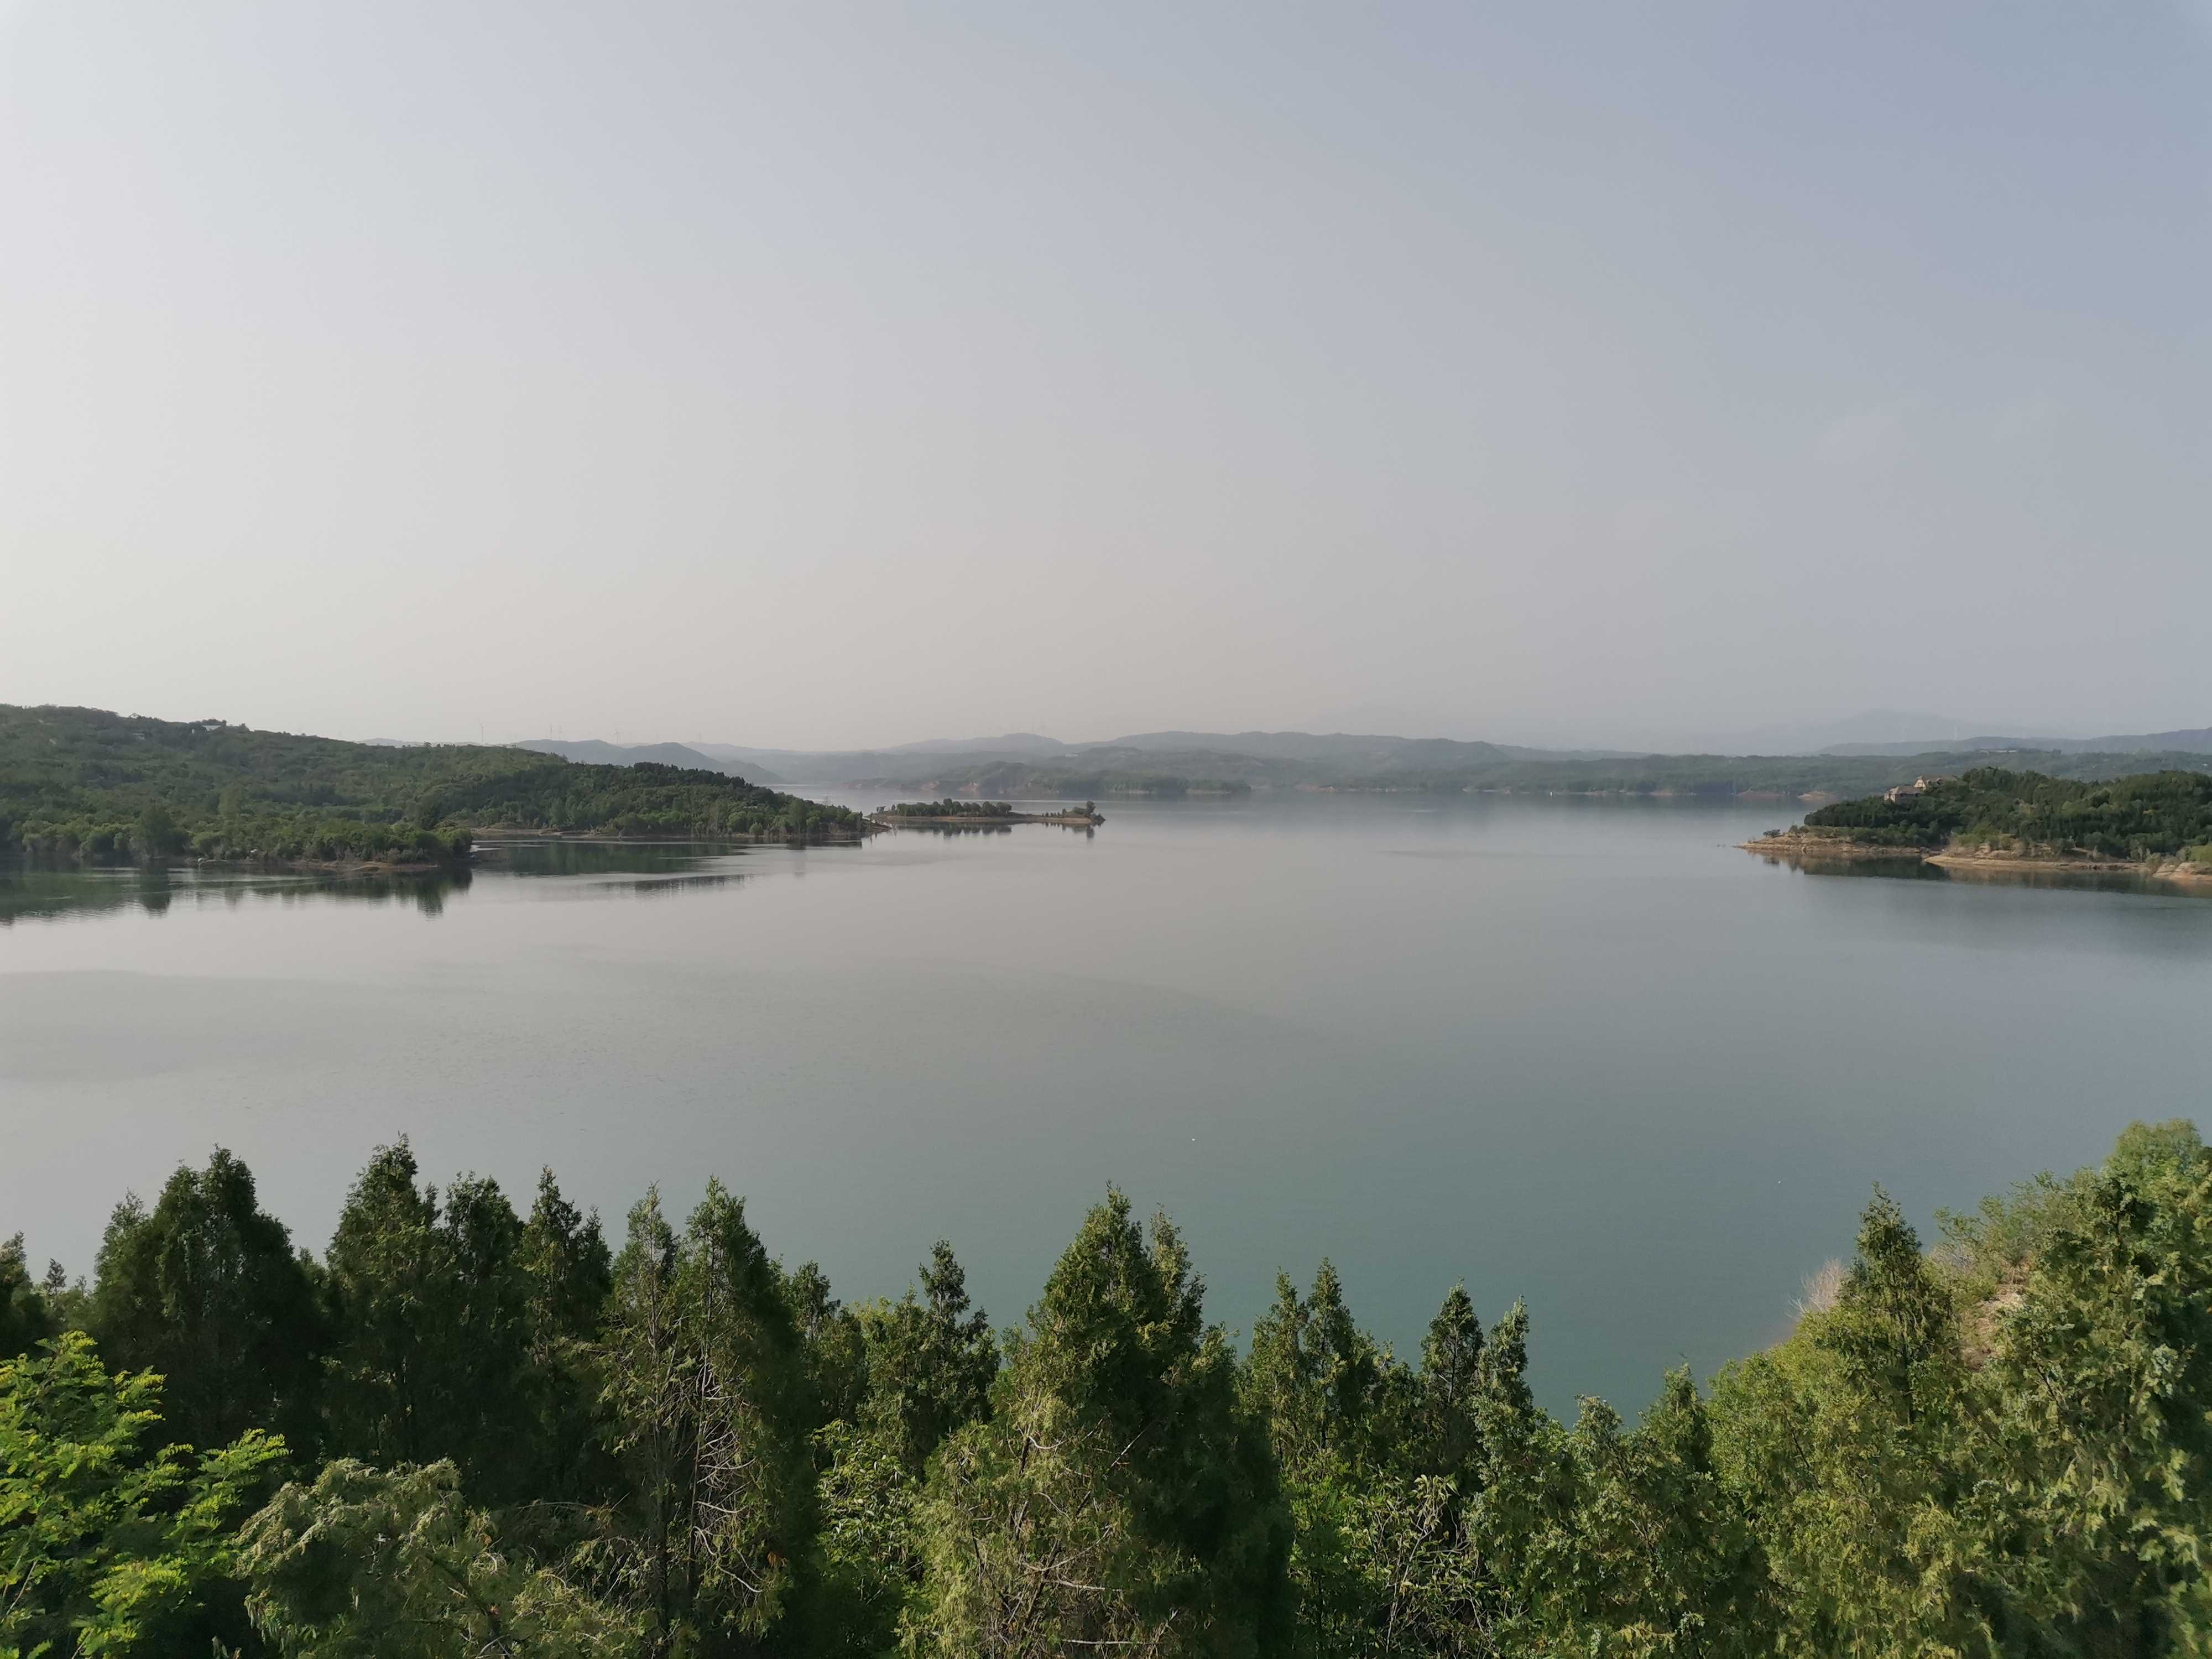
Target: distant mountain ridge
[[1374, 750], [594, 751], [2195, 741], [1031, 765]]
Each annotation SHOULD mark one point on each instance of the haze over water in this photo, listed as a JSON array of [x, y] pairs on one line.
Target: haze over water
[[1584, 1052]]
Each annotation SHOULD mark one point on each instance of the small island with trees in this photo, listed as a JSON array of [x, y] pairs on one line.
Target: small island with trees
[[951, 814], [2156, 824]]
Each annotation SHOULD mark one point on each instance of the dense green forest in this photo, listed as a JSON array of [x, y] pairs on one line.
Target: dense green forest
[[2155, 815], [82, 783], [464, 1429]]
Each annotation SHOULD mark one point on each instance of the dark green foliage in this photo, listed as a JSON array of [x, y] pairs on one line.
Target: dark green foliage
[[83, 783], [712, 1407], [432, 1303], [904, 1376], [206, 1290], [931, 1362], [1998, 1448], [836, 1348], [2155, 814], [567, 1276], [26, 1316], [949, 808]]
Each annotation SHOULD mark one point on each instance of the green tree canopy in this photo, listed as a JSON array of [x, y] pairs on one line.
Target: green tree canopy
[[206, 1289]]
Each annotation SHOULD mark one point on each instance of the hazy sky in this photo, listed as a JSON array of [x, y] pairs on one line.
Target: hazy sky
[[840, 374]]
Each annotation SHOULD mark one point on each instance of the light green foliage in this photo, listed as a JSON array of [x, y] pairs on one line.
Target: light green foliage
[[1845, 1441], [206, 1290], [2003, 1447], [871, 1539], [1118, 1495], [1605, 1541], [2090, 1435], [107, 1547], [369, 1564]]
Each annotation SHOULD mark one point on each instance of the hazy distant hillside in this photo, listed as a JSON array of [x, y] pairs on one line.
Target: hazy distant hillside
[[1254, 756], [832, 766], [1339, 747], [1031, 766], [1122, 771], [2197, 741], [593, 751]]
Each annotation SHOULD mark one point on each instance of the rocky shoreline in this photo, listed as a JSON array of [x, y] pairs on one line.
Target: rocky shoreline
[[1799, 848]]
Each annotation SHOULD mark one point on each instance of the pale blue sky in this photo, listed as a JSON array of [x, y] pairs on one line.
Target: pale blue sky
[[833, 375]]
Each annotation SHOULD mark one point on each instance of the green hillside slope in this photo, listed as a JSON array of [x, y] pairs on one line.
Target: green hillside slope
[[2152, 815], [84, 783]]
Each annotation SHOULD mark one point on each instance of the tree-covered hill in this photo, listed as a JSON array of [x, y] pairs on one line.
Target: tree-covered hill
[[2153, 815], [85, 783]]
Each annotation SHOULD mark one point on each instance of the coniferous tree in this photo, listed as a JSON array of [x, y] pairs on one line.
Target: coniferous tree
[[431, 1304], [712, 1407], [1451, 1372], [1118, 1495], [931, 1362], [836, 1348], [206, 1289], [395, 1563], [925, 1365], [28, 1317], [1845, 1441], [568, 1275]]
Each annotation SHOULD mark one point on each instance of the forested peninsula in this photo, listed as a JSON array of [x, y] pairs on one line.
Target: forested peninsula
[[2155, 824], [87, 784], [464, 1429], [950, 814]]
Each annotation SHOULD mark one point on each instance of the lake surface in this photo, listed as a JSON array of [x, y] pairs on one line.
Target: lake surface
[[1579, 1051]]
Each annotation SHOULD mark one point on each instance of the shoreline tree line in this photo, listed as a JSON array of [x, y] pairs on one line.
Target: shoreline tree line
[[82, 785], [2150, 815], [468, 1428]]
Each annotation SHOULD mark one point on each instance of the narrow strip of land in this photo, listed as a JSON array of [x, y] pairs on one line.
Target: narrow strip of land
[[976, 815]]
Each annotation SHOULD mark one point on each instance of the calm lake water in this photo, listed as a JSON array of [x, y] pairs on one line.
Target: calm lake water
[[1580, 1052]]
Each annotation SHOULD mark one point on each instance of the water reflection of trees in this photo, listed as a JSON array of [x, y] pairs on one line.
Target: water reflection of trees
[[32, 890], [552, 857], [2091, 881], [31, 893]]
